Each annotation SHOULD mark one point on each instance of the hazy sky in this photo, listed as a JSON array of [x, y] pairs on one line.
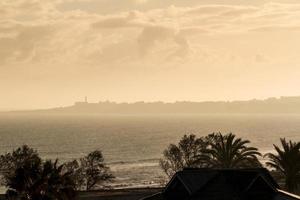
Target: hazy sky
[[55, 52]]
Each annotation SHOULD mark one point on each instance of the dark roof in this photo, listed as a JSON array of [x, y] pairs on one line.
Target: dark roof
[[283, 195], [157, 196], [195, 179], [215, 184]]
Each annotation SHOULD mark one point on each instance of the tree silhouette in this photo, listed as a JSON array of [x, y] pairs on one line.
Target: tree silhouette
[[76, 172], [93, 170], [286, 161], [20, 157], [227, 151], [185, 154], [37, 181]]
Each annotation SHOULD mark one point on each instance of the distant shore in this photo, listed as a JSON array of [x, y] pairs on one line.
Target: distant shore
[[282, 105]]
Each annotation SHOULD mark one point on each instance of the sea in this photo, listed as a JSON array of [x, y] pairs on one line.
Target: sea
[[133, 144]]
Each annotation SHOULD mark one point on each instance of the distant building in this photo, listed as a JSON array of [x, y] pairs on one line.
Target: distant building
[[223, 184], [80, 103]]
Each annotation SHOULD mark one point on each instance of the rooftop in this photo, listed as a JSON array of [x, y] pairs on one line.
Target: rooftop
[[223, 184]]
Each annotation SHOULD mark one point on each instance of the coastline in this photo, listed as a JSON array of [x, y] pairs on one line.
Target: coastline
[[115, 194]]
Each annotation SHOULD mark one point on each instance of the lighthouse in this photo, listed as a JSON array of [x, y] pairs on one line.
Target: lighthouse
[[80, 103]]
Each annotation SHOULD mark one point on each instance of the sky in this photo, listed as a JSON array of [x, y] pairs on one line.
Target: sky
[[55, 52]]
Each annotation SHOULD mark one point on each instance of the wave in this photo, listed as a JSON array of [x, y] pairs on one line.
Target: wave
[[150, 160]]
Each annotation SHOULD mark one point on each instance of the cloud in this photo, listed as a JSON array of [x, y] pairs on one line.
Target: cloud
[[260, 58], [154, 35], [20, 43], [141, 1], [38, 31], [127, 50], [275, 28]]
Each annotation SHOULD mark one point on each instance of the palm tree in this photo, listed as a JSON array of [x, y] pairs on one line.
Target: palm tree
[[286, 161], [21, 180], [227, 151], [59, 183], [38, 182]]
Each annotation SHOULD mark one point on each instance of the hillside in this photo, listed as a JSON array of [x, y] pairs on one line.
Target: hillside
[[270, 105]]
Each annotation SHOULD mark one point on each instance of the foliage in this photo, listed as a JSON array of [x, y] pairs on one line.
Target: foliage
[[76, 173], [227, 151], [185, 154], [40, 181], [286, 161], [26, 176], [22, 156], [94, 169], [215, 150], [90, 171]]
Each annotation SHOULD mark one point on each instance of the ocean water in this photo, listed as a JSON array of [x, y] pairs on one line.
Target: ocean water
[[133, 144]]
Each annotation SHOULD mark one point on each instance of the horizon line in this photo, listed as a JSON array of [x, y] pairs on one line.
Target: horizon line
[[146, 102]]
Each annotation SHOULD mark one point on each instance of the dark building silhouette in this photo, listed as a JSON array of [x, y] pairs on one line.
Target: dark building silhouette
[[222, 184]]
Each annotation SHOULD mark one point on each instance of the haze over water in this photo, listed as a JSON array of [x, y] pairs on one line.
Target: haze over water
[[146, 56], [132, 144], [53, 52]]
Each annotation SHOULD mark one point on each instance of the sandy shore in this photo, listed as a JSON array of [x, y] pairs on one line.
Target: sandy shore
[[118, 194], [114, 194]]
